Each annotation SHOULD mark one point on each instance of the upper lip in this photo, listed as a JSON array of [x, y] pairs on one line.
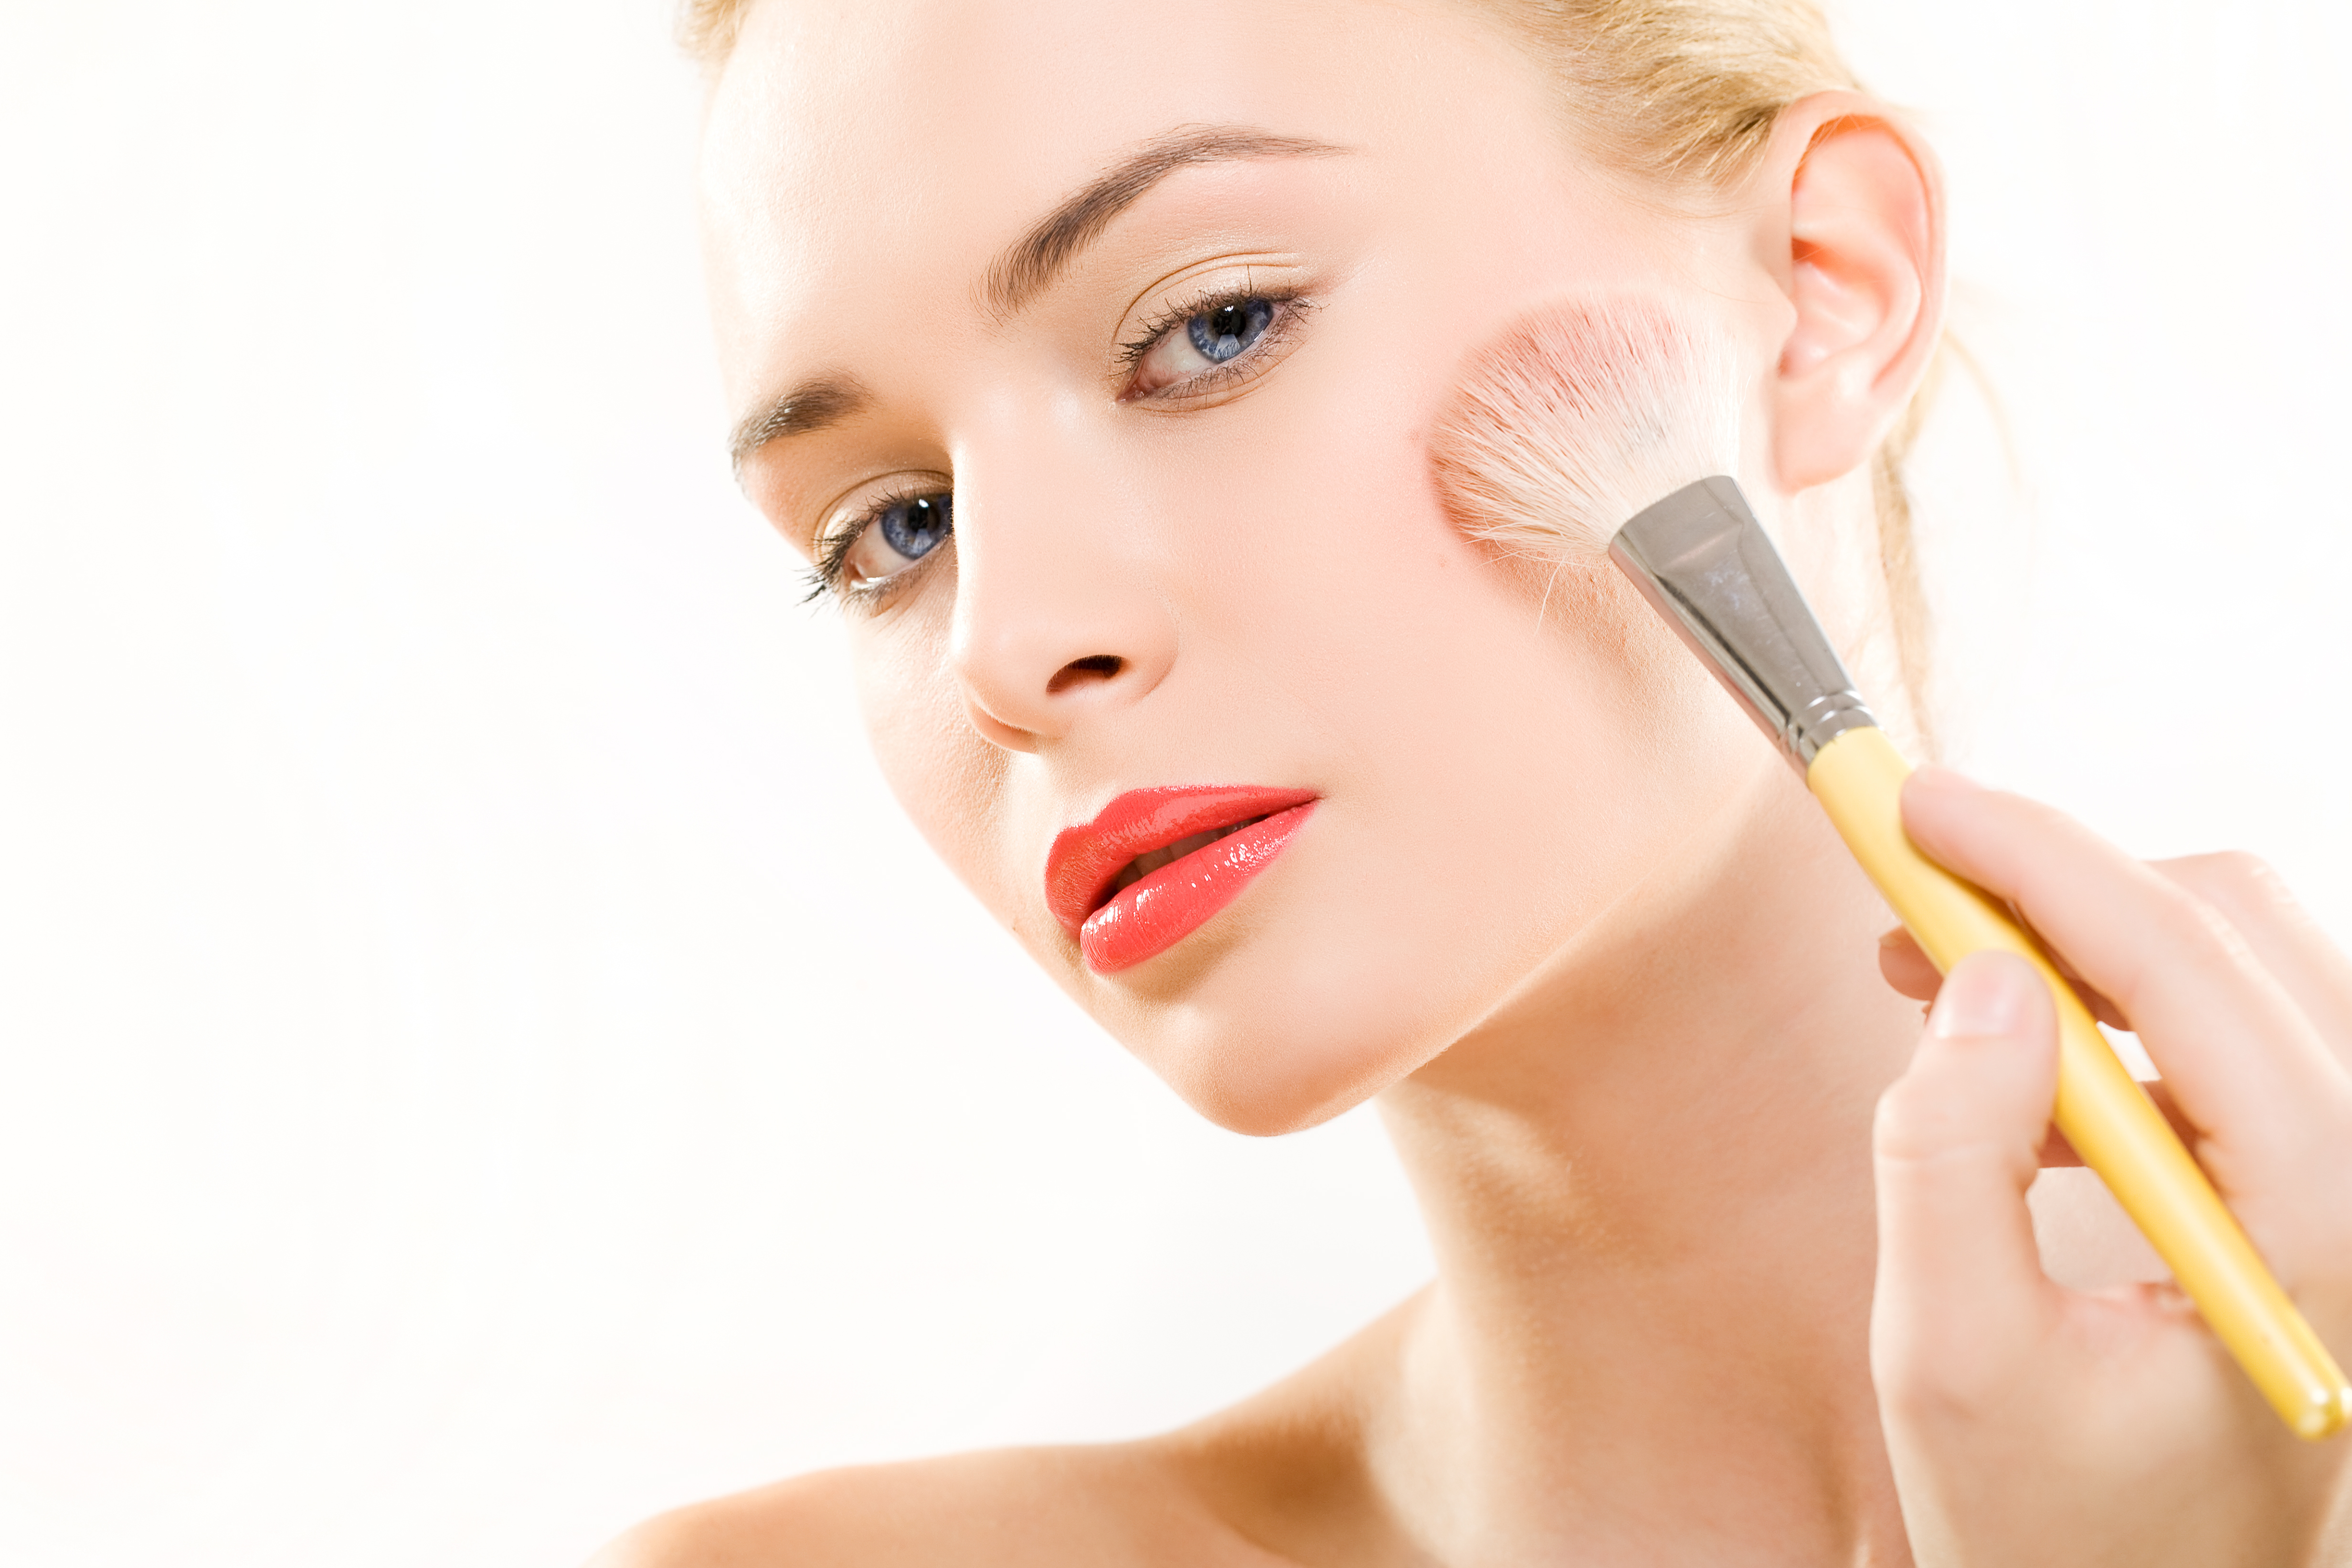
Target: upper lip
[[1086, 860]]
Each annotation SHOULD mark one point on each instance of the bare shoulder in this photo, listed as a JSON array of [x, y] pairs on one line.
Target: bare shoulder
[[1105, 1507], [1275, 1481]]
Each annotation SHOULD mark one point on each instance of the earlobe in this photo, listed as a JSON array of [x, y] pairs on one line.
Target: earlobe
[[1863, 272]]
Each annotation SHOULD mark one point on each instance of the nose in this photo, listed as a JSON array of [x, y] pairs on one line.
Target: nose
[[1058, 620]]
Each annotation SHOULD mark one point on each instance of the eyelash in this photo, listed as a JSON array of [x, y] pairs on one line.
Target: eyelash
[[1287, 309], [833, 549]]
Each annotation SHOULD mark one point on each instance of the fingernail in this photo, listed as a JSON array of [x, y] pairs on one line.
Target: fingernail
[[1985, 994]]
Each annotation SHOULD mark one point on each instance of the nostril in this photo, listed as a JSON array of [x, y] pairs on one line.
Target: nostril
[[1095, 667]]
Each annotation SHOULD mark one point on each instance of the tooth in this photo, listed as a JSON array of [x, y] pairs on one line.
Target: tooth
[[1150, 860]]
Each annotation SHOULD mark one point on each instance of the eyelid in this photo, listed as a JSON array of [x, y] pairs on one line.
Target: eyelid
[[1281, 275], [1291, 305], [847, 521]]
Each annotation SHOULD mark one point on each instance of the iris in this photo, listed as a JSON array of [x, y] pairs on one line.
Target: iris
[[915, 526], [1223, 332]]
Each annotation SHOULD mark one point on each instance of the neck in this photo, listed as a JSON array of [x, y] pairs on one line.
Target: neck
[[1647, 1183]]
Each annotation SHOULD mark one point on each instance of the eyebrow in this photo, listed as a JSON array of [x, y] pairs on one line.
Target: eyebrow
[[1029, 266], [811, 405]]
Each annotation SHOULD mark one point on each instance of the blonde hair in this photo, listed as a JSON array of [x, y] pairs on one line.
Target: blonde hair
[[1684, 93]]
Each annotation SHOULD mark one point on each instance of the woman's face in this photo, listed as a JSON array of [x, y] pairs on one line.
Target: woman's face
[[1193, 539]]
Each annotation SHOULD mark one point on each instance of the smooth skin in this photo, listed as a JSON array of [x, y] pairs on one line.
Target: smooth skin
[[1579, 930]]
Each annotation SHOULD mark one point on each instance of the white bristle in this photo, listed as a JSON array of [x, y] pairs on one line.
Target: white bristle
[[1581, 416]]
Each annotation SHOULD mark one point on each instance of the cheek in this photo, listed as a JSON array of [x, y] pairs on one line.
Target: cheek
[[949, 782], [1660, 702], [1548, 741], [1507, 747]]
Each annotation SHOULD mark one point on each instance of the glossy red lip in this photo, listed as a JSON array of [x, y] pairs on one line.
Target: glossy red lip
[[1116, 926]]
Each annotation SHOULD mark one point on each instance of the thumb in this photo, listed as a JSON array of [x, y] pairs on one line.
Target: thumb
[[1960, 1285]]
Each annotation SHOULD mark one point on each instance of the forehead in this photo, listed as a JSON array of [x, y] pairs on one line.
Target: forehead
[[887, 148]]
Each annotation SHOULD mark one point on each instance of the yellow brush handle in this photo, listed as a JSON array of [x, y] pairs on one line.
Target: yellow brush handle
[[2110, 1120]]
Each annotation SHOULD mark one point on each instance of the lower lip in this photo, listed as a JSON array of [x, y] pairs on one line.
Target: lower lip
[[1152, 915]]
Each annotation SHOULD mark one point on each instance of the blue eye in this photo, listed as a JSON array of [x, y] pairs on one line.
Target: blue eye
[[886, 543], [915, 526], [1208, 349], [1222, 333]]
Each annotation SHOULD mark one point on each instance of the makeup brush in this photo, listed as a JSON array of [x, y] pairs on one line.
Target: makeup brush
[[1611, 426]]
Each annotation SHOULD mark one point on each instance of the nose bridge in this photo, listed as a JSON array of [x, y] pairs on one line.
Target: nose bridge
[[1058, 612]]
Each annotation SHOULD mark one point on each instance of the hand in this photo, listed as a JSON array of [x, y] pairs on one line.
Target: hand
[[2033, 1425]]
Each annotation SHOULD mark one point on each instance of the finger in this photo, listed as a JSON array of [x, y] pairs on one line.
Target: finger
[[2254, 898], [2243, 1062], [2103, 1007], [1905, 967], [1957, 1142], [1913, 974]]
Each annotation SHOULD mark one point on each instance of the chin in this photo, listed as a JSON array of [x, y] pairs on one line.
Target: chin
[[1357, 969], [1297, 1059], [1283, 1020]]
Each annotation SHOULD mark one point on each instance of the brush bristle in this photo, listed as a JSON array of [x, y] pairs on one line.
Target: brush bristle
[[1580, 415]]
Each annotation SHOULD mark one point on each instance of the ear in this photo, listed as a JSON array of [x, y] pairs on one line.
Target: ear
[[1860, 260]]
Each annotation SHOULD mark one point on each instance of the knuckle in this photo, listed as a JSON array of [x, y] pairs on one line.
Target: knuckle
[[2237, 878], [2188, 923], [1920, 1123], [1939, 1132], [1923, 1377], [1912, 1121]]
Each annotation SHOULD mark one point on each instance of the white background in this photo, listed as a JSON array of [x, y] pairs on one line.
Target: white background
[[481, 1057]]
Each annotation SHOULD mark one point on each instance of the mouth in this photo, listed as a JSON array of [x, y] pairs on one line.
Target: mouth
[[1143, 865], [1156, 864]]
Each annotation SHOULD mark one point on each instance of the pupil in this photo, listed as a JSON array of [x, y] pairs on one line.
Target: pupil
[[914, 528], [1222, 333]]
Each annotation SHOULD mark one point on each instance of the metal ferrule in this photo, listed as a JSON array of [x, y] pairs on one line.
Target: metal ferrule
[[1707, 565]]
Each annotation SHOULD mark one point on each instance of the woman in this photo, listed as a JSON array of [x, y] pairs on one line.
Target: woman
[[1091, 355]]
